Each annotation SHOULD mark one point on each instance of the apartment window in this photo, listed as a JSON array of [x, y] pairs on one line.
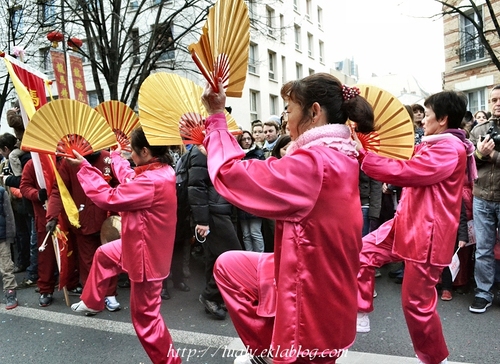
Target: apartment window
[[282, 28], [86, 50], [297, 37], [93, 98], [164, 40], [471, 48], [272, 65], [134, 5], [252, 11], [270, 21], [320, 18], [252, 58], [283, 69], [296, 5], [321, 52], [47, 12], [308, 10], [477, 100], [311, 71], [135, 46], [273, 105], [45, 61], [17, 23], [310, 45], [298, 71], [254, 104]]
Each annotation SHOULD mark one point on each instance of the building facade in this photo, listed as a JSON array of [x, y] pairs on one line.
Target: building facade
[[468, 66], [289, 40]]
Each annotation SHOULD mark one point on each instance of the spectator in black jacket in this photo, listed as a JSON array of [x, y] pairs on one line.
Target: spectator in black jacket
[[213, 226]]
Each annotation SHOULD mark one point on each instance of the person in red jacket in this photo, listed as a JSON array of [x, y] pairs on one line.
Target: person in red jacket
[[47, 264], [91, 217]]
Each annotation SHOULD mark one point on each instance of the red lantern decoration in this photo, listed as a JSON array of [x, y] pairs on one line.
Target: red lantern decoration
[[74, 43], [55, 37]]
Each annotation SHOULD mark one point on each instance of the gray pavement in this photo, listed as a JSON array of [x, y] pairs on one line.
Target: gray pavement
[[32, 334]]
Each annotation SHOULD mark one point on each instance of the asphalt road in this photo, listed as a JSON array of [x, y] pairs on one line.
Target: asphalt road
[[32, 334]]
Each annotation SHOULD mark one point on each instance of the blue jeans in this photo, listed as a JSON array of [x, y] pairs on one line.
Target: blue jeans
[[366, 220], [486, 222], [252, 234]]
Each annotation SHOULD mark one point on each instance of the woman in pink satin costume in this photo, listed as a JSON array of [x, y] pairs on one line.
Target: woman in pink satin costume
[[146, 198], [298, 304], [424, 229]]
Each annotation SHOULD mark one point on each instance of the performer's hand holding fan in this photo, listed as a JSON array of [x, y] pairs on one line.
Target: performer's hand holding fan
[[171, 111], [64, 125], [394, 131], [222, 51], [121, 119]]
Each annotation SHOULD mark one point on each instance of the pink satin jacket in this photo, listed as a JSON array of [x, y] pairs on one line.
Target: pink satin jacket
[[427, 217], [148, 205], [313, 196]]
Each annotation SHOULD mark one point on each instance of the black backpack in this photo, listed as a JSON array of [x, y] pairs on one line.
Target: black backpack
[[181, 181]]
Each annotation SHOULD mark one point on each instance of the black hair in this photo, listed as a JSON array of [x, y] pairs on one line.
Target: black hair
[[8, 141], [280, 143], [138, 141], [326, 90], [448, 103]]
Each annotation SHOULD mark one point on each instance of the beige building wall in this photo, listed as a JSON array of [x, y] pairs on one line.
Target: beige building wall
[[468, 67]]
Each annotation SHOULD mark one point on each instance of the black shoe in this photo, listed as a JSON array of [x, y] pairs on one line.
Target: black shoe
[[164, 294], [182, 287], [75, 291], [10, 299], [479, 305], [397, 272], [213, 308], [45, 299], [399, 279], [26, 283], [124, 284], [19, 269]]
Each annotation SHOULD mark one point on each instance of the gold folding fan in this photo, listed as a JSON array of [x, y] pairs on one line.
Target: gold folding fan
[[64, 125], [394, 133], [165, 99], [222, 50], [122, 120]]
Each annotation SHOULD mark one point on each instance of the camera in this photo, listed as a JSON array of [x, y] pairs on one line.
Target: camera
[[493, 133], [6, 171]]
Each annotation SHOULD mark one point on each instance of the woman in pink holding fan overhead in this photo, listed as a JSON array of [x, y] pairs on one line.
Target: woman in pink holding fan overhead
[[146, 198], [278, 301]]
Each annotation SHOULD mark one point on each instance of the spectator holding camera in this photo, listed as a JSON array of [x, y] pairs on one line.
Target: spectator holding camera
[[486, 204]]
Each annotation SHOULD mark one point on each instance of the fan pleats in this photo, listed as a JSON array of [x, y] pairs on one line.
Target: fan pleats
[[69, 124]]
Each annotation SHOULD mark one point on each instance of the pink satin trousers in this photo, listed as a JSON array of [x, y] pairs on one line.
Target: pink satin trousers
[[236, 275], [418, 297], [145, 303]]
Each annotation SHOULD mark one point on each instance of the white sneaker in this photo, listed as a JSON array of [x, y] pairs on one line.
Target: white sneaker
[[375, 294], [445, 361], [363, 322], [82, 307], [243, 359], [249, 359], [112, 304]]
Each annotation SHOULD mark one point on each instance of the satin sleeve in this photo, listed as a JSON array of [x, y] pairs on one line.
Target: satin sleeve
[[429, 165], [121, 167], [281, 189], [135, 194]]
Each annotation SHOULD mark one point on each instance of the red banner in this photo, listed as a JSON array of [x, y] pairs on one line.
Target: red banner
[[34, 84], [78, 78], [60, 73]]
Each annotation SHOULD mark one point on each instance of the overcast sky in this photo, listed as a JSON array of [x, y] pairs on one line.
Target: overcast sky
[[390, 36]]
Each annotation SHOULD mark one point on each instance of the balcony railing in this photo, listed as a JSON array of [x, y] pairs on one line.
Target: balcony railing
[[471, 53]]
